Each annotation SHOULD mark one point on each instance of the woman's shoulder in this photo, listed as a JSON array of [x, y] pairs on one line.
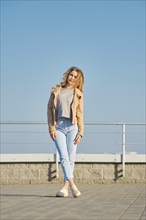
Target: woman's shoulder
[[55, 88]]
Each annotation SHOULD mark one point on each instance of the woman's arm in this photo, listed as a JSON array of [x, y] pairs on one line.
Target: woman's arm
[[50, 116], [79, 114]]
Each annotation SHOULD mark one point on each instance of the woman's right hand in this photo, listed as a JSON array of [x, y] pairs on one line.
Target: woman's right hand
[[53, 135]]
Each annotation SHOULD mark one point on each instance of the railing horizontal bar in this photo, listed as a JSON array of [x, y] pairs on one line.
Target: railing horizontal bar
[[114, 123], [21, 132], [114, 132], [22, 122], [112, 143], [135, 133], [86, 123], [86, 132], [101, 143], [45, 132], [25, 143]]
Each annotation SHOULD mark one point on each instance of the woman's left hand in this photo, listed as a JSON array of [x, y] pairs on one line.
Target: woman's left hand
[[77, 139]]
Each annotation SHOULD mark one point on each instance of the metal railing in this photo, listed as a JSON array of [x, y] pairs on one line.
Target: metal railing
[[122, 133]]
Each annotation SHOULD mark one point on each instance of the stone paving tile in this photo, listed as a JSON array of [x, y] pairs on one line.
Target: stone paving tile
[[130, 217], [38, 202], [143, 216]]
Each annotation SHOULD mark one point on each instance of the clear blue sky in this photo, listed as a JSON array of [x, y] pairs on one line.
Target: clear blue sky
[[40, 40]]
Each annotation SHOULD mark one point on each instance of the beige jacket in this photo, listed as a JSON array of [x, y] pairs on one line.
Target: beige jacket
[[77, 109]]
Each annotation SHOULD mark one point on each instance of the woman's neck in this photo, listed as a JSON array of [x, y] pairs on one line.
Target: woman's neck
[[68, 87]]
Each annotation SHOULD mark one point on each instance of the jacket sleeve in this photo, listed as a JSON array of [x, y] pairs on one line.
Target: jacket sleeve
[[79, 114], [50, 114]]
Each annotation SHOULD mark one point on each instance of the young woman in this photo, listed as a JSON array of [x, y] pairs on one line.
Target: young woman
[[65, 120]]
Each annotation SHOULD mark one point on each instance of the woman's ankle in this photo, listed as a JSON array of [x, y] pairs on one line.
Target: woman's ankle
[[66, 184], [71, 182]]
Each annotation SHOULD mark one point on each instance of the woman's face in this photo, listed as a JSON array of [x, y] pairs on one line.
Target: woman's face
[[71, 78]]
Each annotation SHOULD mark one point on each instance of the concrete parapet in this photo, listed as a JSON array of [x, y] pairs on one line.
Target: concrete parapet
[[85, 172]]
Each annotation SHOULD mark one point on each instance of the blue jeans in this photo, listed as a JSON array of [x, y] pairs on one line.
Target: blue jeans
[[65, 135]]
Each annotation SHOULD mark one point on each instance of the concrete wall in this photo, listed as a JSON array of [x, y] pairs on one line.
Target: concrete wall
[[85, 172]]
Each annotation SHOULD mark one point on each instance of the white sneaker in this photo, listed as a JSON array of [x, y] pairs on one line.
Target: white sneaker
[[62, 192], [76, 193]]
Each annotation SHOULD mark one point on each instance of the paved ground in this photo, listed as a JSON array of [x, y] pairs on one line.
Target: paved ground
[[111, 202]]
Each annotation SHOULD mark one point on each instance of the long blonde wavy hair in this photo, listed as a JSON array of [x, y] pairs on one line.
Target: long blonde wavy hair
[[79, 82]]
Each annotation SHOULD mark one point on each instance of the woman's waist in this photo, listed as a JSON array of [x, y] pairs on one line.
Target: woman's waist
[[64, 122], [64, 119]]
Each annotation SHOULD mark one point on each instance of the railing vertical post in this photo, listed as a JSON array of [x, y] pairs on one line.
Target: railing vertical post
[[57, 168], [123, 148]]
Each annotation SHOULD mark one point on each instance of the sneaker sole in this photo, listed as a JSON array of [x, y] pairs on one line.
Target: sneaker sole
[[66, 195], [76, 196]]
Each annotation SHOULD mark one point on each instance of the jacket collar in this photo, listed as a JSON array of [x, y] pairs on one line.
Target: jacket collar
[[55, 90]]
